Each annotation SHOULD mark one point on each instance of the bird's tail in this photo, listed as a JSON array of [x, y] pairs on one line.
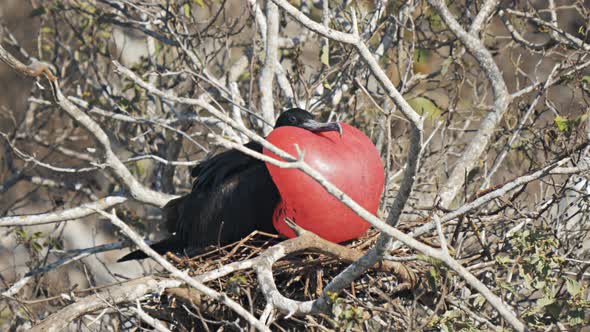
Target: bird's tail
[[170, 244]]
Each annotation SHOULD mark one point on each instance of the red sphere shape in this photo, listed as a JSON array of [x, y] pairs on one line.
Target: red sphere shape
[[351, 163]]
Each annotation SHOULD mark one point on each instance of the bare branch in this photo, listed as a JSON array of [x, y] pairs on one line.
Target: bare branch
[[472, 153], [266, 79], [484, 14], [553, 168], [78, 212]]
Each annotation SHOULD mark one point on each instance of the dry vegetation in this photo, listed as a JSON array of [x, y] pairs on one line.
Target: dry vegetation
[[478, 108]]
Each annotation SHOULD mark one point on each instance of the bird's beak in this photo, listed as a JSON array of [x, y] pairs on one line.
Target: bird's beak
[[316, 127]]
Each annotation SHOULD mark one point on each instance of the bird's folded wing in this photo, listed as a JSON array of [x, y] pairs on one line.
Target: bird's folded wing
[[213, 171]]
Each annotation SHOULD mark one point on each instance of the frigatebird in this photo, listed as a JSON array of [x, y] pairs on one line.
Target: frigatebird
[[232, 196]]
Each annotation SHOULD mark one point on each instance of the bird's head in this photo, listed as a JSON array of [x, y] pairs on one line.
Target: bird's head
[[296, 117]]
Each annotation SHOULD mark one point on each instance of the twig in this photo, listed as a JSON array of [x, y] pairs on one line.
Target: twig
[[561, 35]]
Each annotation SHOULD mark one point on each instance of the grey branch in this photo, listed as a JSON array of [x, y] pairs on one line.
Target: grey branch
[[266, 79], [472, 153], [63, 215]]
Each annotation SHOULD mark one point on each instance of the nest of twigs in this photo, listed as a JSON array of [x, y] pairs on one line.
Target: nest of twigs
[[373, 302]]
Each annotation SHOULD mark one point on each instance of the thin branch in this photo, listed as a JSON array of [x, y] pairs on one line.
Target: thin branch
[[553, 168], [77, 255], [516, 133], [520, 39], [484, 14]]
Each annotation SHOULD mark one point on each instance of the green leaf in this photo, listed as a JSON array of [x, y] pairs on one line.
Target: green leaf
[[425, 107], [435, 20], [573, 287], [554, 309], [447, 328], [238, 279], [576, 316], [452, 315], [38, 11], [538, 284], [544, 301], [432, 276], [325, 55], [36, 246], [333, 296], [503, 259], [187, 9], [428, 259], [200, 3], [22, 233], [507, 287], [561, 123], [421, 55], [479, 301], [445, 65], [586, 79]]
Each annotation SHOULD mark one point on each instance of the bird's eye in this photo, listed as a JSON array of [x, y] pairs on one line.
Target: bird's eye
[[292, 119]]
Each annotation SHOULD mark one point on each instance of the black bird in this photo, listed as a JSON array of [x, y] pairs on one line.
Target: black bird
[[232, 196]]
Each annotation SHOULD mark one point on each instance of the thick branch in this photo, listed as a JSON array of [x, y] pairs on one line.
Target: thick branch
[[484, 14], [472, 154], [266, 79], [63, 215]]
